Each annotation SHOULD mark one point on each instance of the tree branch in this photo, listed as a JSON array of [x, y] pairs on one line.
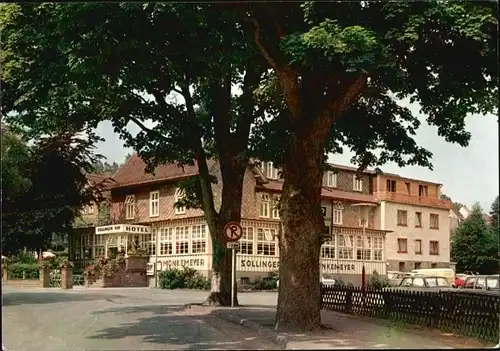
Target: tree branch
[[287, 77], [335, 103], [201, 158]]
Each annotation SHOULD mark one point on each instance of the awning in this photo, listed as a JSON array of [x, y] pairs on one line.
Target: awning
[[123, 229]]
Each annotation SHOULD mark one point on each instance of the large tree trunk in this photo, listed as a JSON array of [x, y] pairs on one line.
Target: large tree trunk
[[299, 289], [233, 172]]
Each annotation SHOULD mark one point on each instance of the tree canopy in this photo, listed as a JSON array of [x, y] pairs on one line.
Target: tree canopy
[[53, 188], [474, 245], [494, 212]]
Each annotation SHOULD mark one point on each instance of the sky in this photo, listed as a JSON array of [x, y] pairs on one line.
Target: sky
[[468, 174]]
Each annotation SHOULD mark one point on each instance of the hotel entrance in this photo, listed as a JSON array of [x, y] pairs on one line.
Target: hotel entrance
[[121, 238]]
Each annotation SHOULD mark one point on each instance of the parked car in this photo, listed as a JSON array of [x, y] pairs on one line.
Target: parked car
[[327, 279], [416, 282], [394, 278], [487, 284], [448, 273]]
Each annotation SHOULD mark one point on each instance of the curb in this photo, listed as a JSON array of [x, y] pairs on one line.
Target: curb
[[280, 340]]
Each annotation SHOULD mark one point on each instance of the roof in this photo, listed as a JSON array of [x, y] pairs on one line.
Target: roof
[[133, 172], [276, 185]]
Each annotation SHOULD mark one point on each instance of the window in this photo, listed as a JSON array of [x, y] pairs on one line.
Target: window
[[407, 185], [357, 183], [442, 282], [434, 247], [270, 171], [246, 241], [182, 240], [276, 207], [264, 205], [331, 179], [88, 210], [346, 243], [151, 242], [166, 241], [378, 248], [434, 221], [391, 186], [418, 219], [337, 212], [179, 194], [401, 266], [418, 282], [154, 204], [418, 265], [422, 190], [402, 218], [129, 207], [363, 250], [418, 247], [402, 246], [492, 282], [328, 249], [265, 242], [99, 243], [199, 239]]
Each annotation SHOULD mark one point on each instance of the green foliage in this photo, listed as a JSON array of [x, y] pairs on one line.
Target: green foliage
[[23, 257], [19, 270], [64, 262], [475, 245], [265, 283], [51, 201], [494, 212], [185, 278], [376, 282]]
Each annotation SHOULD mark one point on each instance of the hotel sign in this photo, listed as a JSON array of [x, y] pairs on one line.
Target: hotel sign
[[123, 229]]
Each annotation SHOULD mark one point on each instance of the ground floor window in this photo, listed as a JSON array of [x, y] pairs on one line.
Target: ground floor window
[[266, 244], [346, 247], [166, 241], [151, 242], [328, 249], [182, 240], [363, 248], [198, 238], [246, 241], [378, 248]]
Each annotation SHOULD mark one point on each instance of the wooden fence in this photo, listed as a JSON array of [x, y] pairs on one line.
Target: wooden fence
[[468, 314]]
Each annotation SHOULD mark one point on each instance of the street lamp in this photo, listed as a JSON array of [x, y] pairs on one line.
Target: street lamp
[[364, 210]]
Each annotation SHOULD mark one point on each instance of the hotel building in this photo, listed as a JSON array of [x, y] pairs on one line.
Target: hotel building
[[141, 208]]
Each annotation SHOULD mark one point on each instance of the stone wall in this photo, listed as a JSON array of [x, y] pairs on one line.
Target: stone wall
[[132, 274]]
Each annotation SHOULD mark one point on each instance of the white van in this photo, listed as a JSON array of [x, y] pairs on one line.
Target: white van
[[447, 273]]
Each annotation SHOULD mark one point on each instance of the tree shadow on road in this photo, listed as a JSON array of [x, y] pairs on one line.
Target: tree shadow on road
[[176, 326]]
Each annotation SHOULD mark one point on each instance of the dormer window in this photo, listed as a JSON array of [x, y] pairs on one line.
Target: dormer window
[[179, 195], [270, 171]]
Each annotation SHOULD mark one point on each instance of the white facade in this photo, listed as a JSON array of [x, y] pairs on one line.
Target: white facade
[[417, 237]]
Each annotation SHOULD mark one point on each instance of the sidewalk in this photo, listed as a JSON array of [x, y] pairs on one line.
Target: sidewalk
[[348, 332]]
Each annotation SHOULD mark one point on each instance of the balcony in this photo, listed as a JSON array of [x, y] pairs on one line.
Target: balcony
[[413, 200]]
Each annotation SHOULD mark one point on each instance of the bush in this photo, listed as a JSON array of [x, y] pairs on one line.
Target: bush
[[186, 278], [23, 257], [376, 282], [266, 283], [30, 270]]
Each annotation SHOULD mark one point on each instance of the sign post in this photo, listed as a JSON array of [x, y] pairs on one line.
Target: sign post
[[233, 232]]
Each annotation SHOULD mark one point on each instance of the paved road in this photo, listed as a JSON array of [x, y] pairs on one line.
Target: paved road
[[120, 319]]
